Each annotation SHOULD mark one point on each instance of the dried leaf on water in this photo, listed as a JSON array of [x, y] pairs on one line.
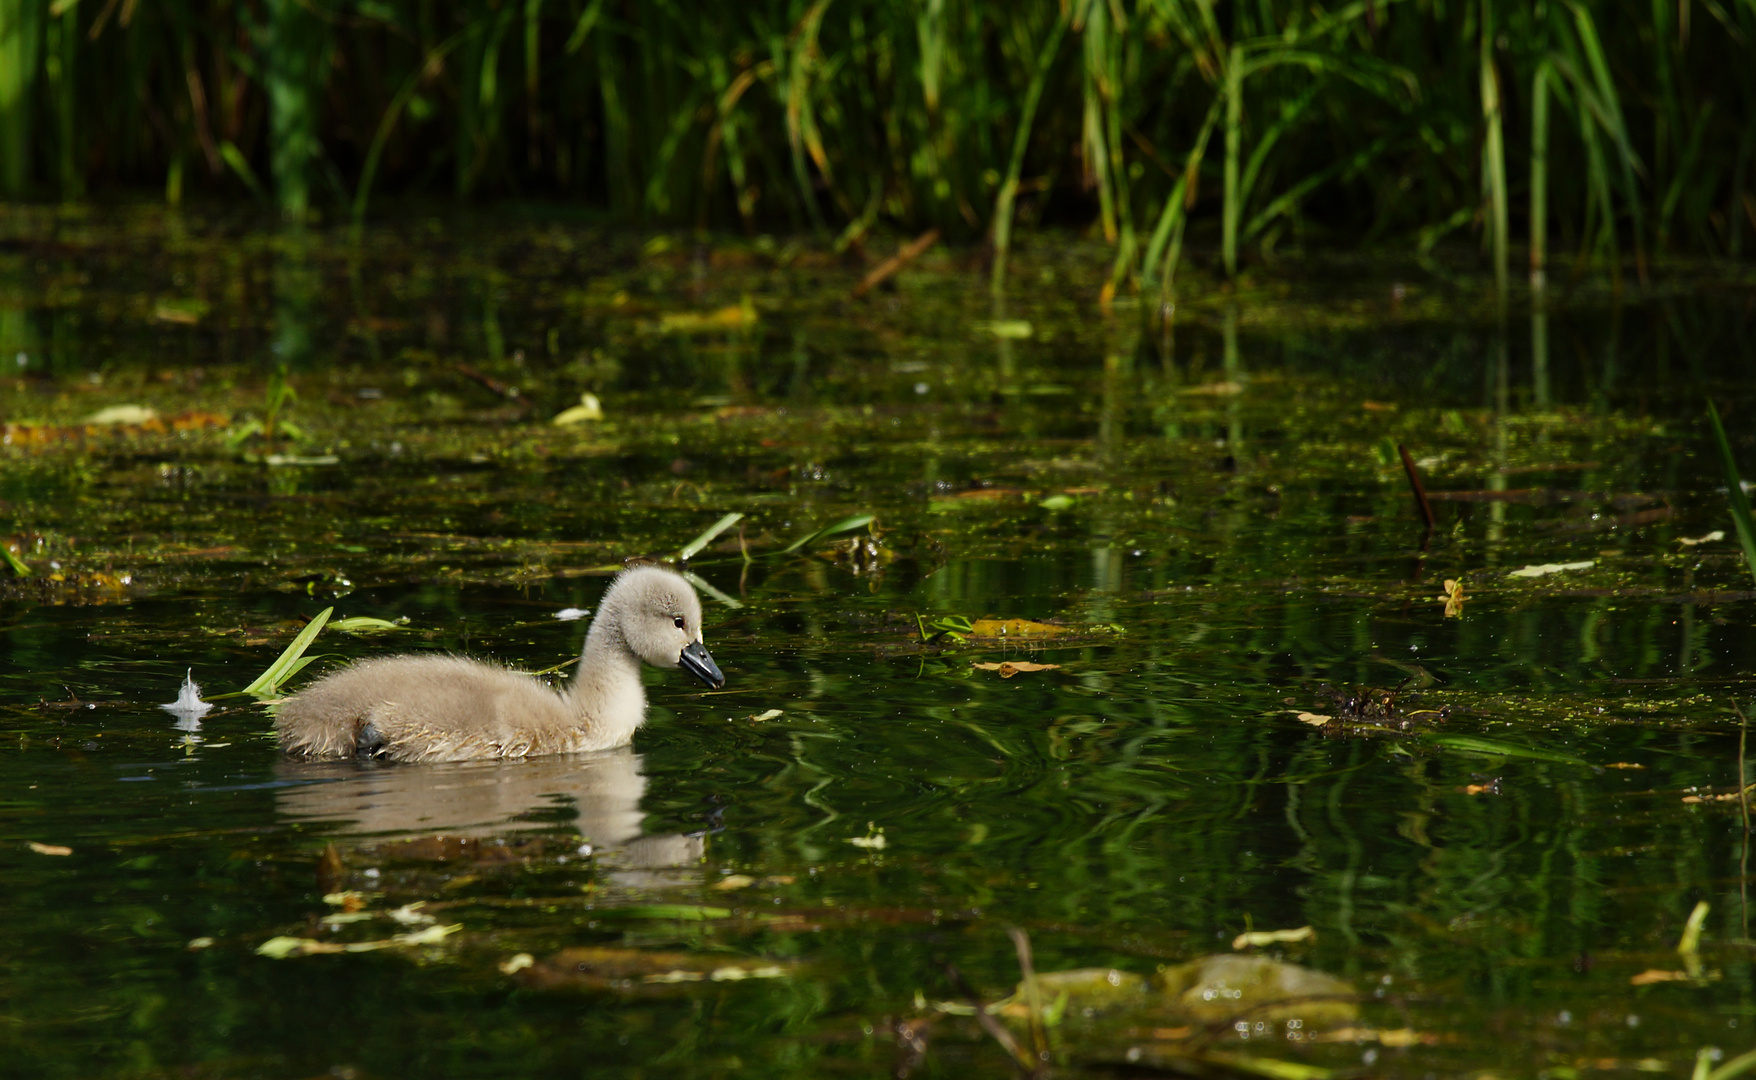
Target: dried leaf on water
[[610, 967], [1452, 598], [1015, 628], [1009, 668], [122, 414], [733, 881], [1712, 537], [1217, 987], [1543, 569], [589, 408], [731, 317], [279, 948], [1312, 718], [872, 841], [771, 714], [1654, 975], [1258, 938], [1217, 389], [50, 849]]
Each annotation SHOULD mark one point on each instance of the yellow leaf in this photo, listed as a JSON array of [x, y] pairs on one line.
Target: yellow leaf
[[1009, 668]]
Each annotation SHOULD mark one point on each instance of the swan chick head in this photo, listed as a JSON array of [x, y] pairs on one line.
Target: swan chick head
[[660, 619]]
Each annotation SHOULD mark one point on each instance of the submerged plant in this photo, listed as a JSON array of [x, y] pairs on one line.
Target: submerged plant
[[1736, 497]]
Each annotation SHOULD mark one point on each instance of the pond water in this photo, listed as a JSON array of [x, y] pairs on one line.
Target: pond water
[[1255, 710]]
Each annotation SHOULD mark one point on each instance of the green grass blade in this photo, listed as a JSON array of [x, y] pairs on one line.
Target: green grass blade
[[287, 665], [17, 564], [693, 547], [1740, 502], [1471, 744], [1738, 1066], [844, 525]]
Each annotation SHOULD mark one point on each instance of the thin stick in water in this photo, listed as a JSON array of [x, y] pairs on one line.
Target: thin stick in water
[[1033, 997], [887, 269], [1414, 482], [990, 1025]]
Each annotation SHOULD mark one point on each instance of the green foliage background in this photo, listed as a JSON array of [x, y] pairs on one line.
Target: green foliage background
[[1609, 129]]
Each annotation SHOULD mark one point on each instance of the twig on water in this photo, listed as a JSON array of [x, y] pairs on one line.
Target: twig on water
[[1033, 998], [1414, 482], [1744, 809], [993, 1027], [888, 268]]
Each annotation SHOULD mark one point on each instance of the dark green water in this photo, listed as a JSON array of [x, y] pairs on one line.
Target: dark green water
[[1227, 542]]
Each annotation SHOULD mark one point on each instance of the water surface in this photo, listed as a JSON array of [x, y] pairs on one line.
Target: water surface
[[1484, 817]]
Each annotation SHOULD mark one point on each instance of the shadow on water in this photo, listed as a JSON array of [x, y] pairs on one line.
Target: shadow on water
[[1144, 651]]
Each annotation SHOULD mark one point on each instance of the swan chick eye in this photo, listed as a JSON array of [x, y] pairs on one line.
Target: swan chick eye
[[679, 621]]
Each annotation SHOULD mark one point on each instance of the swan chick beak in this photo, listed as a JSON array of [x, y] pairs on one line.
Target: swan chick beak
[[696, 661]]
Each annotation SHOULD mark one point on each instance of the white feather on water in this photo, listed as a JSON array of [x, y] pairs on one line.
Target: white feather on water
[[188, 708]]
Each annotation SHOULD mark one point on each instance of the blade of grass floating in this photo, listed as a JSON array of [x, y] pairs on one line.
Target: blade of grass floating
[[17, 564], [1740, 502], [359, 623], [848, 524], [692, 548], [1738, 1066], [287, 665], [669, 912], [1473, 744]]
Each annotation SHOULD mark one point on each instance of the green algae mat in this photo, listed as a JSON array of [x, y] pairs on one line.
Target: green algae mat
[[1098, 701]]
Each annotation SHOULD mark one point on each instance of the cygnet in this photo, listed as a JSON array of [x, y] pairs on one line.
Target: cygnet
[[450, 708]]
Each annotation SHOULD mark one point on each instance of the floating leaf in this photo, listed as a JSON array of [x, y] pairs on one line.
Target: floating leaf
[[731, 317], [771, 714], [1473, 744], [1057, 502], [669, 912], [122, 414], [1009, 668], [49, 849], [589, 408], [1452, 598], [1015, 628], [363, 624], [1541, 569], [872, 841], [733, 881], [1713, 537], [1007, 329], [1258, 938], [1317, 719], [1647, 978]]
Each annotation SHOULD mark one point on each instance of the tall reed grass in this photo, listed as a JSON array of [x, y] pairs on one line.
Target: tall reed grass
[[1607, 130]]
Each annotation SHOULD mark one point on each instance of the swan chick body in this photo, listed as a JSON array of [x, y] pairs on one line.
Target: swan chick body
[[451, 708]]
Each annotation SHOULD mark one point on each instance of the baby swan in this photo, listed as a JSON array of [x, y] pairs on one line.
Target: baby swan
[[448, 708]]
